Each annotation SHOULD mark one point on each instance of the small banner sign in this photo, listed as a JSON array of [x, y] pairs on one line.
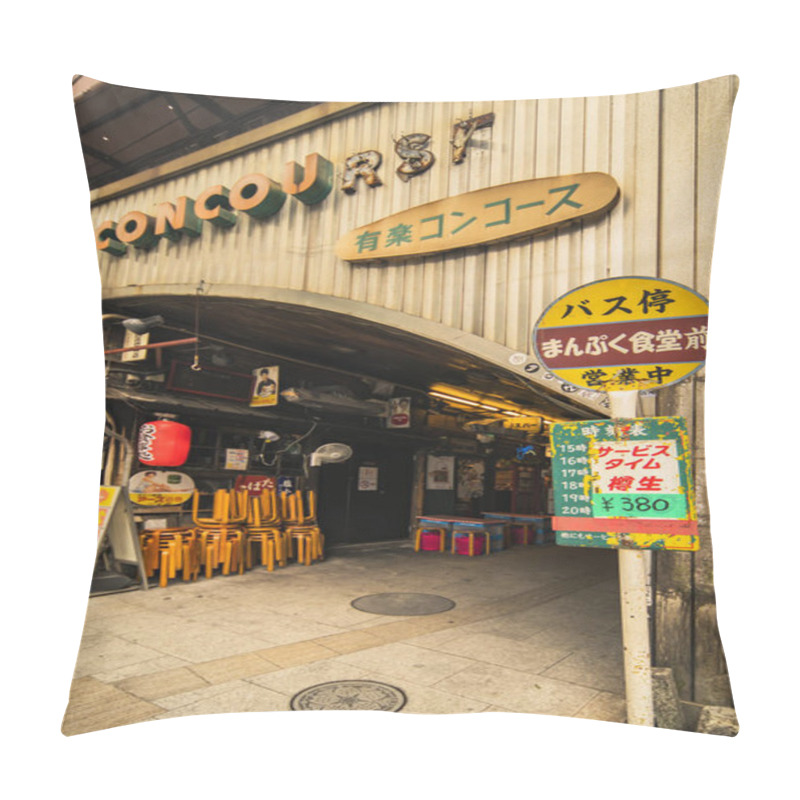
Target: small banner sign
[[134, 340], [624, 484], [236, 458], [287, 484], [255, 484], [399, 413], [485, 216]]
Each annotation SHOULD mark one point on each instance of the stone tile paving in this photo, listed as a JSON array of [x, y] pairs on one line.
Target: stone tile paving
[[517, 690], [534, 630]]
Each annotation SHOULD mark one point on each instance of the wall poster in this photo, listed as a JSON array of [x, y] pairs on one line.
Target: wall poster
[[399, 413], [440, 475], [471, 475], [367, 479], [265, 386]]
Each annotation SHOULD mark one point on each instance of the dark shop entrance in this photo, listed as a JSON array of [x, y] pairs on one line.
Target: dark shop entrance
[[368, 497]]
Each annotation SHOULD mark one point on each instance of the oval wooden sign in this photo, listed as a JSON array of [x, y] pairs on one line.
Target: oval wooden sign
[[485, 216]]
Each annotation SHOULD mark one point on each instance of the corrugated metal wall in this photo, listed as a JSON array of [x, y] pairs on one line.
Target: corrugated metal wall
[[664, 149]]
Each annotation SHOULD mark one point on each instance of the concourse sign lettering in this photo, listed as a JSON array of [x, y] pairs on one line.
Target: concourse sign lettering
[[624, 484], [624, 334]]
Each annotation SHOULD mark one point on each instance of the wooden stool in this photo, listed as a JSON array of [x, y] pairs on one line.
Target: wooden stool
[[303, 534], [168, 550], [266, 540], [264, 528], [222, 534], [306, 541]]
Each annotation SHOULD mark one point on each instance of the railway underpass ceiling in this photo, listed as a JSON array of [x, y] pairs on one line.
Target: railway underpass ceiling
[[124, 129], [319, 348]]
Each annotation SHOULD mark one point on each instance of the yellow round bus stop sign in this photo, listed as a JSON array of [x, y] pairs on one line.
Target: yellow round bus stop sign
[[621, 334]]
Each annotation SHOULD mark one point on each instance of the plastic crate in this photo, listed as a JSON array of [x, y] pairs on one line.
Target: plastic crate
[[430, 540], [462, 544], [522, 534]]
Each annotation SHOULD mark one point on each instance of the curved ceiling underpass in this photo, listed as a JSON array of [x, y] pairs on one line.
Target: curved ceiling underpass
[[320, 347]]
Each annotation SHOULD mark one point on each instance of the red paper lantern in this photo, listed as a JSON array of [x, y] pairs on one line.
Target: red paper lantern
[[164, 443]]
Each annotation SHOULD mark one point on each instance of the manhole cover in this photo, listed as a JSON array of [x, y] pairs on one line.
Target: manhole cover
[[402, 604], [349, 696]]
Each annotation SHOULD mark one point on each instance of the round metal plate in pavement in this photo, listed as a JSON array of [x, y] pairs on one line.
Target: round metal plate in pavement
[[403, 604], [349, 696]]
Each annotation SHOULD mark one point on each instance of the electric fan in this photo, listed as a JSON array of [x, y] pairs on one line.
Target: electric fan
[[332, 453]]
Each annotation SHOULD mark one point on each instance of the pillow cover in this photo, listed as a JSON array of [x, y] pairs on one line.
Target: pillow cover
[[372, 371]]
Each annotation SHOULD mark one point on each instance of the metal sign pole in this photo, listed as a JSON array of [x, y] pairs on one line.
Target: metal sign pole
[[631, 331], [633, 590]]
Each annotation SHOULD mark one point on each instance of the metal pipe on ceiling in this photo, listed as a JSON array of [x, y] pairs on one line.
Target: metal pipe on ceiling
[[156, 345], [573, 411]]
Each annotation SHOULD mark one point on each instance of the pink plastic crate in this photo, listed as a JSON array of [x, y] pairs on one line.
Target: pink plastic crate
[[429, 540], [462, 545], [521, 535]]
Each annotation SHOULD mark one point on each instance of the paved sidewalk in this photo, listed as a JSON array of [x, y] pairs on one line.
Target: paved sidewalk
[[534, 629]]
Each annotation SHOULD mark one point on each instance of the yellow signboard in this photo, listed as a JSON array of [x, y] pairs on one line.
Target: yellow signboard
[[529, 424], [495, 214], [108, 499], [621, 334]]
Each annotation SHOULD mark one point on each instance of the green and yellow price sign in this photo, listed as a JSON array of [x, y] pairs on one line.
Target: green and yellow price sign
[[623, 483]]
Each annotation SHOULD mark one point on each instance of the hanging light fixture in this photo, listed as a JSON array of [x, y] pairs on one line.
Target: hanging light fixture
[[468, 400]]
